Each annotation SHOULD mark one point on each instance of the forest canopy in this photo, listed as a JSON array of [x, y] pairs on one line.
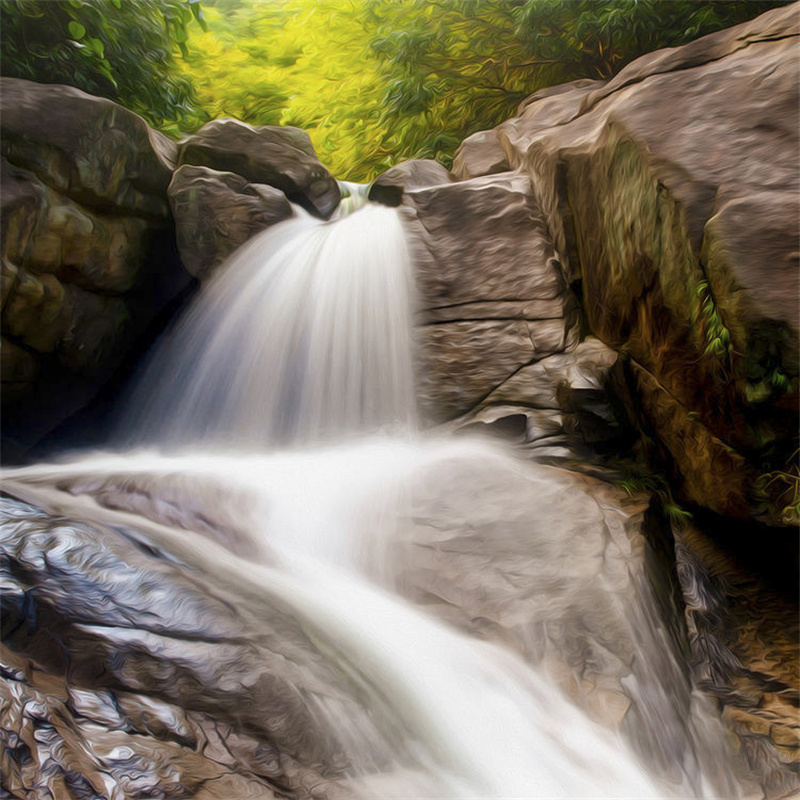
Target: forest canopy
[[373, 81]]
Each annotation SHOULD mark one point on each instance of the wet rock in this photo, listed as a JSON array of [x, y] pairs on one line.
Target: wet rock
[[118, 664], [418, 173], [743, 630], [278, 156], [680, 228], [215, 212], [559, 568]]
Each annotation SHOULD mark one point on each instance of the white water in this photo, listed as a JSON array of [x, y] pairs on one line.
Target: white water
[[303, 335], [312, 341]]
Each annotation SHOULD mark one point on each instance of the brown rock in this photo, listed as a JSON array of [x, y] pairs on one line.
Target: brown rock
[[418, 173], [85, 330], [275, 155], [490, 291], [671, 193], [46, 232], [87, 148], [215, 212], [480, 154]]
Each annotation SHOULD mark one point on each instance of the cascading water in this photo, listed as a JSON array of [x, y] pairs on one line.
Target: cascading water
[[303, 337]]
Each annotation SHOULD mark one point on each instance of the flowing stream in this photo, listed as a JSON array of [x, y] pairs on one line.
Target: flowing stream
[[446, 587]]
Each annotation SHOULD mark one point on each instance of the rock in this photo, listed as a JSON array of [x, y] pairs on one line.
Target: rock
[[671, 194], [157, 622], [490, 291], [47, 233], [117, 662], [215, 212], [556, 407], [278, 156], [87, 148], [479, 154], [86, 331], [87, 255], [742, 617], [418, 173]]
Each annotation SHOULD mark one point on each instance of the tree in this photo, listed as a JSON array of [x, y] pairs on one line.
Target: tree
[[125, 50]]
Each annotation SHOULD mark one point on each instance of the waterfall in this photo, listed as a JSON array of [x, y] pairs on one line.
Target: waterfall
[[375, 542], [303, 335]]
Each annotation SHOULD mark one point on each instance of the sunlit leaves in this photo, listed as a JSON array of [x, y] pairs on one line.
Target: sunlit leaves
[[373, 81]]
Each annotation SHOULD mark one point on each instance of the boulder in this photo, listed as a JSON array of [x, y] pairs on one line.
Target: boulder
[[48, 233], [479, 154], [118, 665], [279, 156], [88, 148], [671, 194], [215, 212], [87, 254], [148, 614], [418, 173]]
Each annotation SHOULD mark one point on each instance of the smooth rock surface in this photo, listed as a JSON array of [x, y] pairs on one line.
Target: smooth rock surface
[[480, 154], [216, 212], [278, 156]]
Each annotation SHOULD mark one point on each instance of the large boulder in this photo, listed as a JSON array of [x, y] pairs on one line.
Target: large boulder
[[88, 148], [279, 156], [149, 622], [671, 195], [215, 212], [87, 255]]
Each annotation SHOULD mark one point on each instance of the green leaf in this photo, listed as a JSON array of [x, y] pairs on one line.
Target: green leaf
[[96, 46], [76, 30]]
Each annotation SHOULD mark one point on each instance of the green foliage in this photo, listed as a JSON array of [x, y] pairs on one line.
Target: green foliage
[[125, 50], [718, 343], [373, 81]]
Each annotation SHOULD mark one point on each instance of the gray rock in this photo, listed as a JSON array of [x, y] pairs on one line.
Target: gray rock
[[275, 155], [216, 212]]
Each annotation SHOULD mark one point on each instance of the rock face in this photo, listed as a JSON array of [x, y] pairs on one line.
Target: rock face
[[282, 157], [671, 195], [86, 255], [497, 323], [215, 212], [101, 230]]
